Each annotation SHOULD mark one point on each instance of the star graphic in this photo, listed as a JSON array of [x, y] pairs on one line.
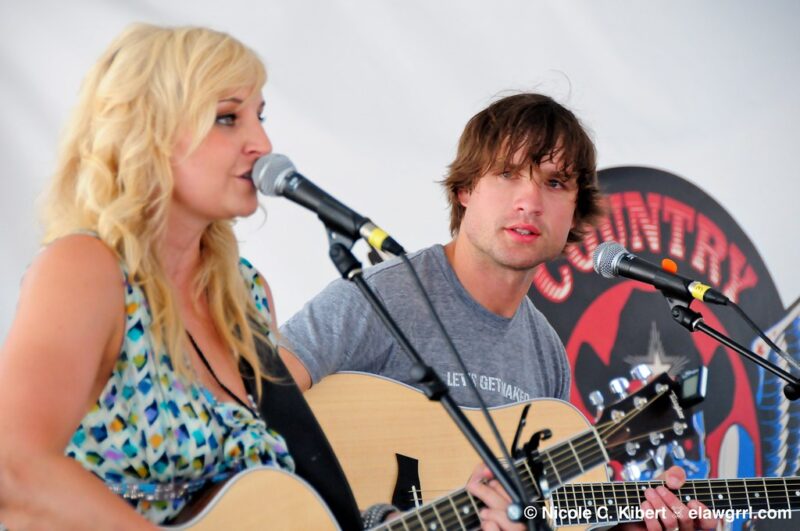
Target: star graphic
[[656, 356]]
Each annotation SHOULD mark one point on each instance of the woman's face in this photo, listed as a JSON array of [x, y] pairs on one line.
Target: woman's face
[[213, 182]]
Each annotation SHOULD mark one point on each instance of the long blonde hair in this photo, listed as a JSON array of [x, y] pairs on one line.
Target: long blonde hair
[[114, 174]]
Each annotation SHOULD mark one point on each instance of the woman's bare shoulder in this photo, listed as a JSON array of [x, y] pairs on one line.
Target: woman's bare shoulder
[[77, 258]]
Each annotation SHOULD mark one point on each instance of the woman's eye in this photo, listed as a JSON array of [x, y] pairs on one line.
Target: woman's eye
[[226, 119]]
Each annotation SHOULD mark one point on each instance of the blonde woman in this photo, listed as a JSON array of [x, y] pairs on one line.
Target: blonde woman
[[121, 372]]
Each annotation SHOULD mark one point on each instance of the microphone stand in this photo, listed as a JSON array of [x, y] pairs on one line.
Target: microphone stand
[[433, 387], [693, 321]]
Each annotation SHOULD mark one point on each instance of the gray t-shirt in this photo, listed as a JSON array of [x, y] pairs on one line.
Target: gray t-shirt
[[510, 360]]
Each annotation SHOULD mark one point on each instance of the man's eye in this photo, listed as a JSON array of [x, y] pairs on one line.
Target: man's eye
[[507, 175], [556, 183], [226, 119]]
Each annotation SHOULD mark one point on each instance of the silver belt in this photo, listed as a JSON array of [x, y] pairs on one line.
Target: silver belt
[[161, 491]]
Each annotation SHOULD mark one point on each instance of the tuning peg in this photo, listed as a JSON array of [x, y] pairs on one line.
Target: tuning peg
[[631, 472], [641, 372], [596, 399], [619, 386], [632, 448], [679, 427], [658, 456], [678, 453]]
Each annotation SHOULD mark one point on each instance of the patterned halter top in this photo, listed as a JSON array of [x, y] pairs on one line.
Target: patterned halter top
[[155, 438]]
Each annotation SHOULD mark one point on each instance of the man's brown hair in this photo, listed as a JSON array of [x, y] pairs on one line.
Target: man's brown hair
[[541, 127]]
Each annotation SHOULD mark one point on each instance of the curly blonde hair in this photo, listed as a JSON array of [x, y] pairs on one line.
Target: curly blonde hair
[[114, 175]]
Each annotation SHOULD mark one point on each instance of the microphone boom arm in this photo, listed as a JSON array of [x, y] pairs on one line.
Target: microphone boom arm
[[693, 321]]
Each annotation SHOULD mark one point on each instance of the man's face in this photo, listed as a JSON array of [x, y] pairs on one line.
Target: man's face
[[520, 218]]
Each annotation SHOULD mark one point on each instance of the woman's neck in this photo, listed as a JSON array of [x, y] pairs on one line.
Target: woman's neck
[[179, 253]]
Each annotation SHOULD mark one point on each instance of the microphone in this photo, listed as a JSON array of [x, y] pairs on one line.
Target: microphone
[[275, 175], [612, 260]]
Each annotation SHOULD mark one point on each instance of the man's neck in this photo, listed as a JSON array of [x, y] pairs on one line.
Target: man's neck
[[499, 290]]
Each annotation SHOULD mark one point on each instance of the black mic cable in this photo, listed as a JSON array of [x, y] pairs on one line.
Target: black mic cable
[[470, 383]]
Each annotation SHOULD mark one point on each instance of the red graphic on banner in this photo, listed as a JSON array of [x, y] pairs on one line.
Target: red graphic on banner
[[598, 327]]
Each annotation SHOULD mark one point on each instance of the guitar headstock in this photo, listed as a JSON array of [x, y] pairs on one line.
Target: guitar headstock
[[655, 415]]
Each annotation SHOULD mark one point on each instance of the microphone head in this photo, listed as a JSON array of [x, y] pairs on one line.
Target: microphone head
[[271, 173], [606, 258]]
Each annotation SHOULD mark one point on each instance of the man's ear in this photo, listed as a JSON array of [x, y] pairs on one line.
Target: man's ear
[[463, 197]]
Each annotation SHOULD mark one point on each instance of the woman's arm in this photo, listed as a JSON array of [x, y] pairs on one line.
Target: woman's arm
[[55, 361]]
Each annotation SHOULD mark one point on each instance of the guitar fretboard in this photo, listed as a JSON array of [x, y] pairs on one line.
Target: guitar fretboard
[[560, 464], [568, 460], [460, 510], [593, 503], [589, 503]]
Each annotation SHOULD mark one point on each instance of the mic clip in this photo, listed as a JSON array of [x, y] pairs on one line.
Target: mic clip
[[682, 313], [335, 236]]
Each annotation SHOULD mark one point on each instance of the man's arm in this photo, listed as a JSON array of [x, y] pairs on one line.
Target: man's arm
[[296, 368], [334, 331]]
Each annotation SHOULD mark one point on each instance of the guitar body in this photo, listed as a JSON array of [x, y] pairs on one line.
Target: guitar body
[[257, 499], [368, 419]]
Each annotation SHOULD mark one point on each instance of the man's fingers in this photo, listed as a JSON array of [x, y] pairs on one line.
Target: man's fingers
[[650, 523], [664, 513], [675, 477]]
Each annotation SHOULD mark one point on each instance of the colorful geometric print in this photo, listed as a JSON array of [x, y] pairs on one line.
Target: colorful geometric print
[[150, 429]]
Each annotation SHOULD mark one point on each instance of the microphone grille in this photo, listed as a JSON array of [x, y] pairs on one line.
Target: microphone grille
[[271, 172], [606, 257]]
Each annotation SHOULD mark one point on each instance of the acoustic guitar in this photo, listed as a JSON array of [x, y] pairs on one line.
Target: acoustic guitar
[[383, 432], [269, 498]]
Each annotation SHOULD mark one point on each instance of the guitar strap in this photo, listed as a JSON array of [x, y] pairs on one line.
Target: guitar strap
[[283, 407]]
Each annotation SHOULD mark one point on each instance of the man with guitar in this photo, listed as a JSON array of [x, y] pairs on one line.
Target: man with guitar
[[523, 185]]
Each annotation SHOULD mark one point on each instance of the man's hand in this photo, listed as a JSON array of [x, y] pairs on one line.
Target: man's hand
[[482, 485], [671, 513]]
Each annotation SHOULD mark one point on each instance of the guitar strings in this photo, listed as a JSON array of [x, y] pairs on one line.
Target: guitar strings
[[605, 430], [562, 456], [448, 515], [558, 454], [702, 490], [708, 491], [595, 451], [519, 462], [456, 499], [608, 429]]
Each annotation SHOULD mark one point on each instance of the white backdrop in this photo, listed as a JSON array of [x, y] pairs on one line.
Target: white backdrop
[[369, 97]]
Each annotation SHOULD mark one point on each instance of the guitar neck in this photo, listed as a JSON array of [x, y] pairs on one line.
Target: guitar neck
[[596, 503], [460, 509], [568, 460], [592, 503]]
